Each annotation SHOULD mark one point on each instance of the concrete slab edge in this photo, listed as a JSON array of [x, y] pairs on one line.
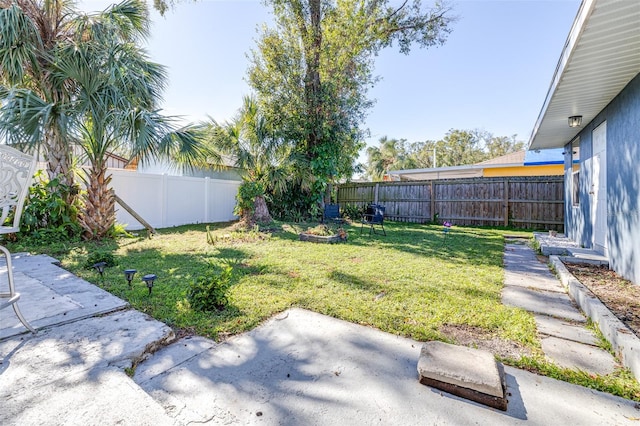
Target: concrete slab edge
[[473, 395], [549, 251], [61, 319], [624, 342], [583, 261]]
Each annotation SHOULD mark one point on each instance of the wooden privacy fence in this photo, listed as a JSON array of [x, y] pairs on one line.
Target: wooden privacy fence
[[532, 202]]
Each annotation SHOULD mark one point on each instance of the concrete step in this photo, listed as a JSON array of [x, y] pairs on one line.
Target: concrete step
[[470, 373], [172, 356], [578, 356], [530, 285], [557, 305], [564, 329]]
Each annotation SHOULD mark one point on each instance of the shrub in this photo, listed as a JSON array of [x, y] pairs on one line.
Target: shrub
[[209, 291], [246, 197], [353, 212], [100, 256], [47, 216]]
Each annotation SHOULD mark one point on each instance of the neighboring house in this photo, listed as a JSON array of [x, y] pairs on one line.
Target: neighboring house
[[592, 109], [521, 163], [113, 161]]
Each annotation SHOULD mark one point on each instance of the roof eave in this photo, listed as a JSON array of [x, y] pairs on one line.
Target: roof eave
[[586, 8]]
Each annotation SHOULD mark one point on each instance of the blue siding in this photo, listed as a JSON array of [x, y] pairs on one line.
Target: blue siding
[[623, 183]]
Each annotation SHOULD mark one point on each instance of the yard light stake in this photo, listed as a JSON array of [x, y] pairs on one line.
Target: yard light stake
[[128, 274], [100, 268], [148, 280], [446, 227]]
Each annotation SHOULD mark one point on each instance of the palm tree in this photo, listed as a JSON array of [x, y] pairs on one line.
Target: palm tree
[[38, 105], [110, 91], [30, 33], [117, 109], [392, 153], [265, 159]]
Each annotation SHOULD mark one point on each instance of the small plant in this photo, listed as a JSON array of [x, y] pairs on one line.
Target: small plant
[[209, 291], [247, 193], [353, 212], [47, 217], [118, 230], [535, 245], [320, 230], [100, 256]]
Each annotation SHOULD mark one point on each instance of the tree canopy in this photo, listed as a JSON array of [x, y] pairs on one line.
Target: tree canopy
[[456, 148], [312, 71]]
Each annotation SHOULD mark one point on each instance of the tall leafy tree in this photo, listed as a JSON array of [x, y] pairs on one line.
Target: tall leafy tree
[[502, 145], [311, 72], [459, 147]]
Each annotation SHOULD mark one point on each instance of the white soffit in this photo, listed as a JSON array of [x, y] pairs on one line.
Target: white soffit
[[601, 56]]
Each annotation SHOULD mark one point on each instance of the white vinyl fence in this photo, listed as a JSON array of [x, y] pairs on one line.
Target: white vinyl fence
[[165, 201]]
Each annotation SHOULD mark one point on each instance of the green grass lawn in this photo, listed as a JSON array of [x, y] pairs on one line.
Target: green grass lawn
[[409, 283]]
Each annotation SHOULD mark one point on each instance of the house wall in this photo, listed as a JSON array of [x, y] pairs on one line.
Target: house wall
[[623, 183], [579, 223], [541, 170], [160, 167]]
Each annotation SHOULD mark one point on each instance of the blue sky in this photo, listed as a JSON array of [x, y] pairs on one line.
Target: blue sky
[[493, 73]]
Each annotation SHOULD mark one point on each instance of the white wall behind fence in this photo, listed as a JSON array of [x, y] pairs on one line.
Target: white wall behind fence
[[165, 201]]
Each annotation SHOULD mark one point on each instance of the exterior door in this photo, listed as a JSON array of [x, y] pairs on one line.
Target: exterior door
[[599, 189]]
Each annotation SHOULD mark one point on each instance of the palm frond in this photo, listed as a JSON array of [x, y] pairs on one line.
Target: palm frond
[[152, 135], [23, 116], [19, 45]]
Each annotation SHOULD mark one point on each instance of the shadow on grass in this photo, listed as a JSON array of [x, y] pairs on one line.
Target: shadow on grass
[[351, 280], [461, 245], [168, 300]]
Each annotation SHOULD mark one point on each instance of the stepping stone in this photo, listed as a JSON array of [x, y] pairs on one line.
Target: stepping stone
[[565, 330], [469, 373], [578, 356], [542, 302], [532, 280]]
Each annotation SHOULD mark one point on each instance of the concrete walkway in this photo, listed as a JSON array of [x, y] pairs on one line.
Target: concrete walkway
[[564, 336], [297, 368]]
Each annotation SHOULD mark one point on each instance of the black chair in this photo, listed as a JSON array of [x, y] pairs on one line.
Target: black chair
[[332, 213], [373, 215]]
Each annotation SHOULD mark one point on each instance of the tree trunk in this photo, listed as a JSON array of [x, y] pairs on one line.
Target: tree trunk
[[59, 162], [261, 211], [312, 78], [98, 215]]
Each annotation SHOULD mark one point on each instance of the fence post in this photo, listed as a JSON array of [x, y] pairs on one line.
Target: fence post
[[433, 201], [506, 202], [375, 193], [165, 200], [206, 199]]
